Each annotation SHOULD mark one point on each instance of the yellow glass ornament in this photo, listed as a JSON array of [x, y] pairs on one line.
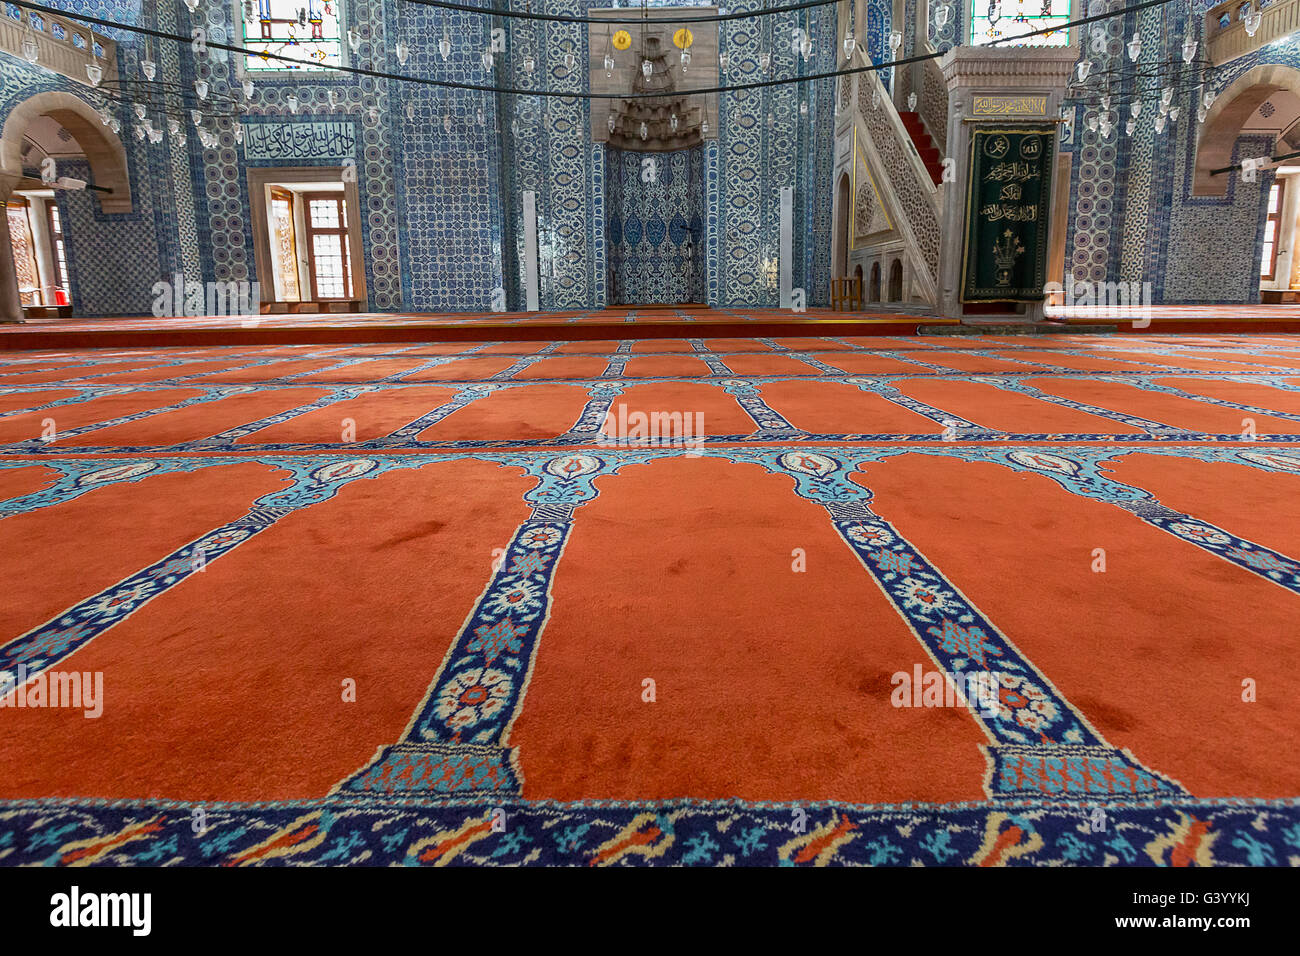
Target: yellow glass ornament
[[683, 38], [622, 40]]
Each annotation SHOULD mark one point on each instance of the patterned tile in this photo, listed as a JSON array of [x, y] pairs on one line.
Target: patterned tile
[[441, 217]]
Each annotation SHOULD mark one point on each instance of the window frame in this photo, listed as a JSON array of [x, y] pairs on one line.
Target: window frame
[[16, 202], [300, 179], [56, 235], [342, 230], [1275, 218]]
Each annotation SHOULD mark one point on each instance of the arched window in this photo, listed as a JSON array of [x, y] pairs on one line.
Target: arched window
[[997, 19], [307, 30]]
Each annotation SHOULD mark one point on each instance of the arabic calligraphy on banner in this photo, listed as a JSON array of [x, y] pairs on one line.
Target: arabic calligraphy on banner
[[308, 140], [1007, 206]]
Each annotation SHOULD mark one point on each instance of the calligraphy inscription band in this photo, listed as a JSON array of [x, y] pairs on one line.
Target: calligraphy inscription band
[[307, 140], [1009, 105]]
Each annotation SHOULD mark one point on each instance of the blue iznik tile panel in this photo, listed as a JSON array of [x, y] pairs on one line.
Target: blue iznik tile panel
[[767, 140], [1095, 209], [114, 258], [448, 157], [1233, 226], [133, 12], [1156, 230], [600, 242], [945, 37], [441, 173], [875, 38], [656, 230]]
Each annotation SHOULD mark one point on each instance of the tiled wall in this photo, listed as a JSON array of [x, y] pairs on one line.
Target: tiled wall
[[655, 233], [116, 257], [764, 141], [441, 213], [1133, 216], [442, 209], [452, 234]]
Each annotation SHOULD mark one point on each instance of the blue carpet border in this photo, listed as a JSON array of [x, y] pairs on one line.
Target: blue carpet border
[[343, 832]]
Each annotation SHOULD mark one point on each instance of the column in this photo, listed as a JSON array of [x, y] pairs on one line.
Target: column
[[11, 307], [42, 248]]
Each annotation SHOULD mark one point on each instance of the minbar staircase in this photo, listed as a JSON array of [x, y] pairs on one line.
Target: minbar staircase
[[929, 153]]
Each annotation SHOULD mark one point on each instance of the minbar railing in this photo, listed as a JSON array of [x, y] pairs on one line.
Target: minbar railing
[[915, 200], [1226, 32], [933, 101], [61, 45]]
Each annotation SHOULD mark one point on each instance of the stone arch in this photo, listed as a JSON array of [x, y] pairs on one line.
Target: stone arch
[[1225, 118], [840, 241], [104, 150], [873, 293], [896, 281]]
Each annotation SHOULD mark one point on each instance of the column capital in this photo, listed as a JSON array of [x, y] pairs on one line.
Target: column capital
[[8, 183]]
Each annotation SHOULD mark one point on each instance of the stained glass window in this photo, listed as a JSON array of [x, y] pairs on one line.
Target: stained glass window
[[993, 20], [301, 29]]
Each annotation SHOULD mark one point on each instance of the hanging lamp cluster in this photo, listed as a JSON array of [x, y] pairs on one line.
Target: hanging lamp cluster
[[170, 102], [1146, 77]]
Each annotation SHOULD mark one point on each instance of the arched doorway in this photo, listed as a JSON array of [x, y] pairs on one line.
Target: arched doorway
[[1257, 115], [873, 288], [840, 240], [1232, 112], [30, 259], [896, 281]]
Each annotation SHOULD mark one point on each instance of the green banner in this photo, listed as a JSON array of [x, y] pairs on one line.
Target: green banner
[[1007, 204]]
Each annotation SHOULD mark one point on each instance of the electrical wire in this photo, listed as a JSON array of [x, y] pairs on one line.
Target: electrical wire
[[561, 18], [566, 94]]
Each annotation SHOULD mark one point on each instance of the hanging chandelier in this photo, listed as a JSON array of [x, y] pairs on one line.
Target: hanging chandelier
[[1142, 78], [169, 98]]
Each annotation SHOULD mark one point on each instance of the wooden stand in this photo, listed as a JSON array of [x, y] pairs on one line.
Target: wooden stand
[[846, 295]]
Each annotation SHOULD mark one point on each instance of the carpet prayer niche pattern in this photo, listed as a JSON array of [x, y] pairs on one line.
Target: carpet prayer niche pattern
[[400, 604]]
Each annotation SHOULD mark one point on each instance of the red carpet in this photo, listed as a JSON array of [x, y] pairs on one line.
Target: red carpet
[[347, 601]]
